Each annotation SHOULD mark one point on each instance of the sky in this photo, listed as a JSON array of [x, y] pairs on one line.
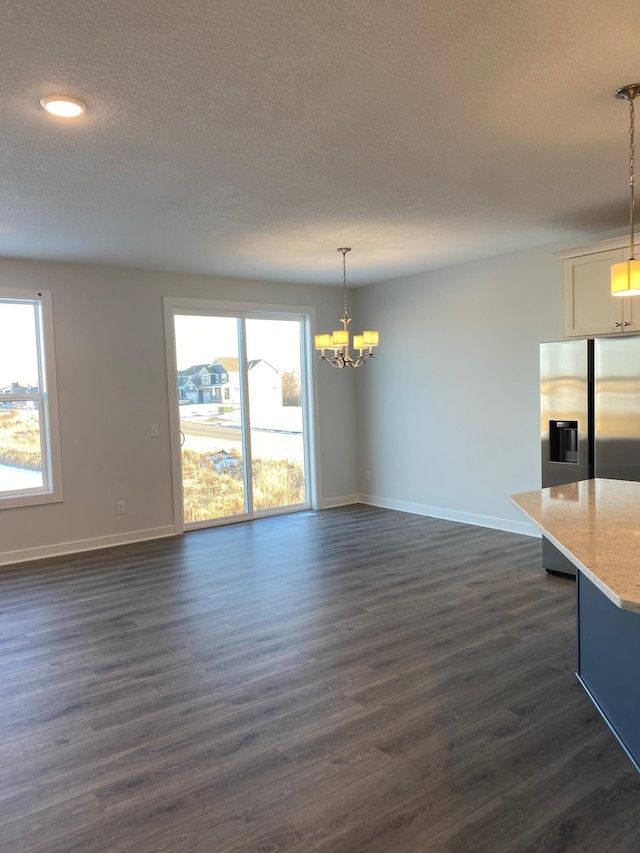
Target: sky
[[18, 361], [199, 340]]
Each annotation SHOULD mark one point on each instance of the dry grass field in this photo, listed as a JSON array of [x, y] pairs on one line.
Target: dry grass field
[[20, 438], [211, 493], [210, 490]]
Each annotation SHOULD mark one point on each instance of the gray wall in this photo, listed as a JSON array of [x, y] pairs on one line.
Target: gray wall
[[445, 419], [449, 411], [112, 384]]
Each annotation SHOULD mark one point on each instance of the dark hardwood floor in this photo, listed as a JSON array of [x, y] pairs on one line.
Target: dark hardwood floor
[[350, 681]]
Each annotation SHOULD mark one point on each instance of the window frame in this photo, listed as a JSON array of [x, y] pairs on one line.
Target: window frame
[[47, 399]]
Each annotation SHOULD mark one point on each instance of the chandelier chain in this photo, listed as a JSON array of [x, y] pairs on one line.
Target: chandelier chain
[[344, 251]]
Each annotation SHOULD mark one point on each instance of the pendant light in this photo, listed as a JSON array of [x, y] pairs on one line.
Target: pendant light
[[625, 277], [338, 341]]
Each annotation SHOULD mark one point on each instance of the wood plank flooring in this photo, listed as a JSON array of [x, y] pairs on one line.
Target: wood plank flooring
[[351, 681]]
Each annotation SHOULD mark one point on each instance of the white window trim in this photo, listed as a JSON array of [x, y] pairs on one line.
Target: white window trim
[[51, 490]]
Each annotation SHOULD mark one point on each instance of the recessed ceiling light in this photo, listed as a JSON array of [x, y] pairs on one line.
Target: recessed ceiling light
[[63, 106]]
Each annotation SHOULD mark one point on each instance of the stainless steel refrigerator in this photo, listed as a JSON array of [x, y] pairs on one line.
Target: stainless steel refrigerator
[[589, 417]]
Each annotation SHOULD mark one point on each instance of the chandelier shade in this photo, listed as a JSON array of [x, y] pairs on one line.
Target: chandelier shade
[[337, 343]]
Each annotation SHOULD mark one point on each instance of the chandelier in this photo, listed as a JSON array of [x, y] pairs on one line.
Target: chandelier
[[338, 341], [625, 277]]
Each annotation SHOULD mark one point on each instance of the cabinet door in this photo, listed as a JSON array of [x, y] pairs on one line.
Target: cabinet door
[[590, 309]]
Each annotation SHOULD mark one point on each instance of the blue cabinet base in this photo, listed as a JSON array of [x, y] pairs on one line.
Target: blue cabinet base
[[609, 663], [609, 723]]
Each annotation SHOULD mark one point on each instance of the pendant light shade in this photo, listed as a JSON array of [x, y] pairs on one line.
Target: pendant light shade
[[625, 277]]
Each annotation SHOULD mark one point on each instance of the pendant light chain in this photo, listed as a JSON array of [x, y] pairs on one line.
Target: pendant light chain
[[632, 158], [625, 275]]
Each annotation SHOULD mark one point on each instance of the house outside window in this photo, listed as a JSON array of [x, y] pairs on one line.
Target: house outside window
[[30, 463]]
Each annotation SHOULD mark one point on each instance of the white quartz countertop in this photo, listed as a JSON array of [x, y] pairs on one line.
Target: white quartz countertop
[[596, 524]]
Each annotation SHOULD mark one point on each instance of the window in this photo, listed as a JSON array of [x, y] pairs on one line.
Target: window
[[30, 469]]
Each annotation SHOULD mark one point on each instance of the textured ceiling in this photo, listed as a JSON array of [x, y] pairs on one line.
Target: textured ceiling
[[253, 137]]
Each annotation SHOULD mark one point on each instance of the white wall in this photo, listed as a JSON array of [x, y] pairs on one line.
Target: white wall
[[449, 411], [112, 386]]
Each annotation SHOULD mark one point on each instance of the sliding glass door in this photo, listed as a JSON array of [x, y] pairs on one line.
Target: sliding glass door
[[210, 412], [242, 410], [274, 382]]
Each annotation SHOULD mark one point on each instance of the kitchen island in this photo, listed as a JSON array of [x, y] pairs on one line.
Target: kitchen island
[[596, 525]]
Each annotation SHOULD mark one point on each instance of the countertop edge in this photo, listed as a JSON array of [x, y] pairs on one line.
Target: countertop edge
[[595, 580]]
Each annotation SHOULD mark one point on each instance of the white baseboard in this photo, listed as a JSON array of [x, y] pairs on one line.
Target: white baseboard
[[25, 554], [344, 500], [506, 524]]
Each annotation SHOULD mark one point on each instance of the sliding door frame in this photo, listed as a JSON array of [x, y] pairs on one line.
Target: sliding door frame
[[244, 310]]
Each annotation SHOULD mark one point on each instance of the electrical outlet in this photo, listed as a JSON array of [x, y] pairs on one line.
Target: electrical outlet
[[119, 507], [367, 476], [155, 432]]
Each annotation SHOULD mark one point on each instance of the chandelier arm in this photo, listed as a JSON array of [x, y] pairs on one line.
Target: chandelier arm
[[340, 361]]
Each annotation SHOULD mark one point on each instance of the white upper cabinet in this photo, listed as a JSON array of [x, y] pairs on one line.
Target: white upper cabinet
[[590, 309]]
